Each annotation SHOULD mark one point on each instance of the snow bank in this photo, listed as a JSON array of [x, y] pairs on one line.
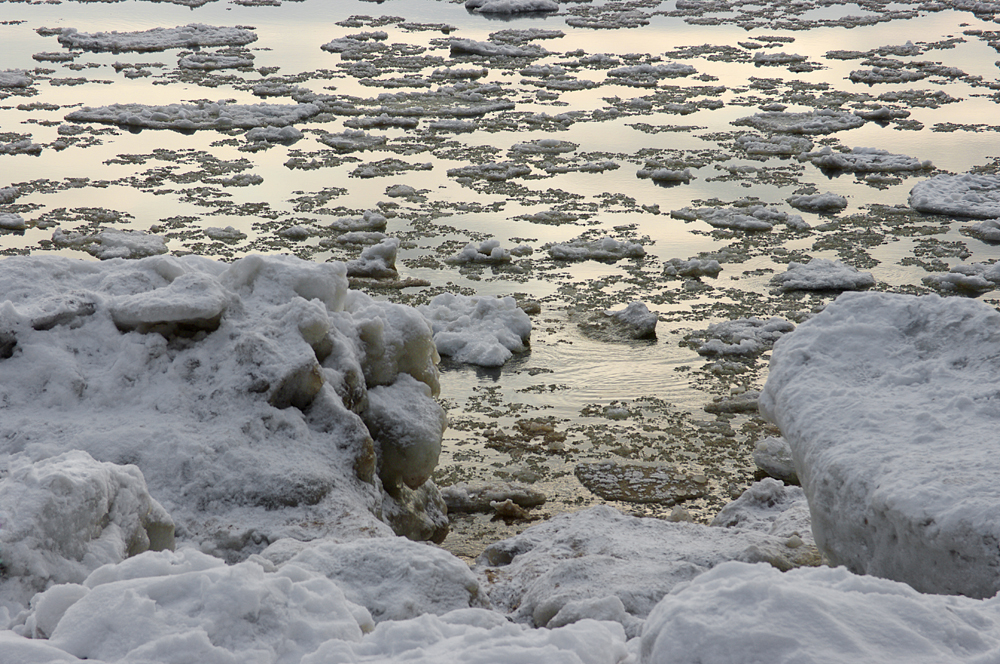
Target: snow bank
[[202, 115], [599, 562], [739, 613], [476, 329], [242, 391], [964, 195], [191, 36], [888, 404], [822, 274], [65, 516], [392, 577]]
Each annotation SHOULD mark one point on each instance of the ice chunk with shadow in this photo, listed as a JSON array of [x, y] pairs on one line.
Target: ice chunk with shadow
[[822, 274], [480, 330]]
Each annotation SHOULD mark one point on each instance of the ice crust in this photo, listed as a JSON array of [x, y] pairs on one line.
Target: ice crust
[[887, 402]]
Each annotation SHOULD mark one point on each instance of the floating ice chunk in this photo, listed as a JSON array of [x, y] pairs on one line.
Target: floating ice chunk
[[9, 194], [773, 145], [669, 70], [213, 61], [605, 249], [974, 278], [424, 579], [194, 35], [664, 174], [886, 75], [477, 329], [814, 613], [452, 125], [599, 553], [369, 221], [696, 267], [964, 195], [637, 318], [887, 403], [352, 139], [488, 251], [463, 497], [828, 203], [987, 231], [270, 134], [377, 261], [823, 121], [22, 146], [10, 221], [14, 78], [460, 74], [749, 218], [354, 42], [864, 160], [512, 6], [65, 516], [780, 58], [823, 274], [227, 234], [494, 172], [883, 114], [544, 146], [113, 243], [774, 457], [202, 115], [743, 336], [490, 49]]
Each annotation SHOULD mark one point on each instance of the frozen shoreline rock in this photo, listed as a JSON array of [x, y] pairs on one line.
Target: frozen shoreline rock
[[887, 402]]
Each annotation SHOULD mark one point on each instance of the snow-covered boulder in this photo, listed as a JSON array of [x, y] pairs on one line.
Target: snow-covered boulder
[[738, 613], [423, 578], [600, 563], [822, 274], [476, 329], [888, 404], [63, 517]]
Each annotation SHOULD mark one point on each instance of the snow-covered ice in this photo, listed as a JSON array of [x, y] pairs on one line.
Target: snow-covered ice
[[605, 249], [743, 336], [823, 121], [971, 278], [193, 35], [825, 203], [865, 160], [488, 251], [201, 115], [748, 218], [740, 613], [512, 6], [475, 329], [887, 402], [822, 274], [637, 319], [963, 195]]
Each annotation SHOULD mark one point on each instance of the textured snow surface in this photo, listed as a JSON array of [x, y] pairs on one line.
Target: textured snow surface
[[889, 405], [605, 249], [202, 115], [739, 614], [824, 121], [581, 560], [964, 195], [864, 160]]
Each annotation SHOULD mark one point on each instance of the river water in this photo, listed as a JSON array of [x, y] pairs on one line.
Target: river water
[[582, 394]]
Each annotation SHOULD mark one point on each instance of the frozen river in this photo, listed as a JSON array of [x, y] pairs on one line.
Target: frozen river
[[662, 124]]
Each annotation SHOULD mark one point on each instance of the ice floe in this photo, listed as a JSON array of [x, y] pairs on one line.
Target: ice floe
[[887, 403], [745, 218], [157, 39], [971, 279], [743, 336], [202, 115], [488, 251], [963, 195], [480, 330], [864, 160], [112, 243], [605, 249], [512, 6], [637, 319], [822, 274], [823, 203], [823, 121]]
